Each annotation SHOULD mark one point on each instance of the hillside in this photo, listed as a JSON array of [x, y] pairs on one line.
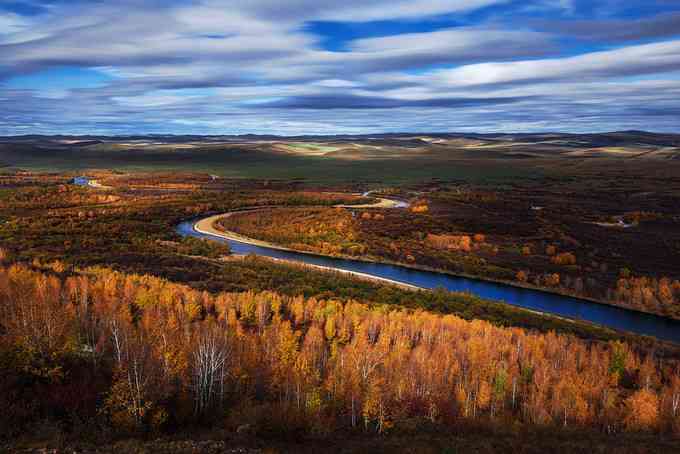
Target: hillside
[[388, 157]]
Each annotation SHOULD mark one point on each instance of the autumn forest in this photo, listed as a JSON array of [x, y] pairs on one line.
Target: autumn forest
[[119, 330]]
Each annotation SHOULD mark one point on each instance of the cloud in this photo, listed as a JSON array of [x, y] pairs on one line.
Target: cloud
[[344, 101], [455, 45], [11, 23], [202, 44], [618, 30], [578, 107], [359, 10], [412, 51], [236, 66], [626, 61]]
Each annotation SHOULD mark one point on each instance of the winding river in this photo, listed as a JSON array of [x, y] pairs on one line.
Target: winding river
[[564, 306]]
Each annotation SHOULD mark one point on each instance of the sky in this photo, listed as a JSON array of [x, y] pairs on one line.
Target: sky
[[294, 67]]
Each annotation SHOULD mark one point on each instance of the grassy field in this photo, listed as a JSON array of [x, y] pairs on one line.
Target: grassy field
[[239, 163], [386, 159]]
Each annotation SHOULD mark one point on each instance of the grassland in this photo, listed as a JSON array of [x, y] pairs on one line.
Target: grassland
[[234, 162], [382, 159]]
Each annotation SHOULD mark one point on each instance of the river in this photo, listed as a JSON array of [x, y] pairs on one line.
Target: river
[[564, 306]]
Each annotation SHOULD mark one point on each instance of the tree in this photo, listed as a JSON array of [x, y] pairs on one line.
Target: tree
[[311, 361], [483, 395], [642, 410], [209, 366], [131, 399], [564, 258], [552, 280], [375, 410]]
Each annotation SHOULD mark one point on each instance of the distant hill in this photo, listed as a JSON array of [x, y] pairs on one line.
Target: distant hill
[[397, 156], [592, 139]]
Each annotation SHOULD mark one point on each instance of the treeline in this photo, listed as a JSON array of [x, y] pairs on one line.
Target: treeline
[[60, 196], [137, 354], [661, 296], [643, 293], [367, 233]]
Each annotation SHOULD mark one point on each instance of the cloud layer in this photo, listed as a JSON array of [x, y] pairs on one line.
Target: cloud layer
[[211, 66]]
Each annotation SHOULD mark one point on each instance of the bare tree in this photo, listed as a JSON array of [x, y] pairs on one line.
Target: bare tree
[[209, 362]]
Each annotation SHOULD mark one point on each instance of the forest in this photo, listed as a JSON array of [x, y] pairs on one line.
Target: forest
[[95, 348], [115, 328]]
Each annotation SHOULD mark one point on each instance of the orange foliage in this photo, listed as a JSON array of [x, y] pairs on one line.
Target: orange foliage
[[649, 294], [420, 207], [306, 357], [564, 258], [327, 231], [450, 242], [552, 280], [643, 410]]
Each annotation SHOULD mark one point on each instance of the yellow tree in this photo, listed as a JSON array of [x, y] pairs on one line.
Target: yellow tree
[[642, 410]]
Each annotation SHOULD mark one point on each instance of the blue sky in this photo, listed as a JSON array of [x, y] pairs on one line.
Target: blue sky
[[327, 67]]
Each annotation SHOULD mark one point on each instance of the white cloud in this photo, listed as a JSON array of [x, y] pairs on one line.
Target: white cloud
[[215, 64], [10, 24], [632, 60]]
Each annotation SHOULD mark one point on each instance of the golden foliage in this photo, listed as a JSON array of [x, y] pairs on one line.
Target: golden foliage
[[564, 258], [643, 410], [173, 348], [450, 242]]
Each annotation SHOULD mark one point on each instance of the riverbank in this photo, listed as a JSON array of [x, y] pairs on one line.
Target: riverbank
[[538, 301], [372, 290], [362, 276], [207, 226]]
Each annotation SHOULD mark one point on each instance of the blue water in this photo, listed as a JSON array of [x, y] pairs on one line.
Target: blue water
[[573, 308], [81, 181]]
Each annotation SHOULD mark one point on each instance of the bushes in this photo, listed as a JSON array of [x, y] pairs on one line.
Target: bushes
[[420, 207], [564, 258], [196, 246], [450, 242]]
